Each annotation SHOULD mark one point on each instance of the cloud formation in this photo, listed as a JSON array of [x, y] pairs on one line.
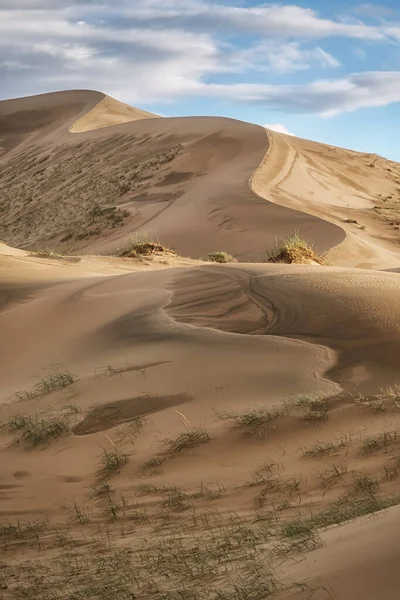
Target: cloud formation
[[161, 50], [280, 128], [326, 97]]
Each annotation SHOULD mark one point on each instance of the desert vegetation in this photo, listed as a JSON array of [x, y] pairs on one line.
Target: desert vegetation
[[142, 244], [219, 257], [41, 192], [294, 249]]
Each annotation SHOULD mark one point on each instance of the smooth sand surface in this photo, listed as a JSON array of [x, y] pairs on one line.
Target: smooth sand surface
[[164, 347], [109, 112]]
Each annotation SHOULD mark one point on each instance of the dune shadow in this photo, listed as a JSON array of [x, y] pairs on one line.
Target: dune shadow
[[106, 416]]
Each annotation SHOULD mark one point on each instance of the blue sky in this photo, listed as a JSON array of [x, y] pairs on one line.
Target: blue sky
[[321, 69]]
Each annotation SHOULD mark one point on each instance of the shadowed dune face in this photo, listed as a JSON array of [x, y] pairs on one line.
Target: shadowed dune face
[[356, 313], [27, 120], [184, 180], [108, 416]]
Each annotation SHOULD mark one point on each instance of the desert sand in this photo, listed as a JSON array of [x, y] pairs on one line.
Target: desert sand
[[177, 429]]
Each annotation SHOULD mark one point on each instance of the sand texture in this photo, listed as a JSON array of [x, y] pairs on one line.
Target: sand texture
[[177, 429]]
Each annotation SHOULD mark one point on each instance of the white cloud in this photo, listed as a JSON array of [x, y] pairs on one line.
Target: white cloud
[[281, 57], [280, 128], [156, 50], [275, 20], [326, 97]]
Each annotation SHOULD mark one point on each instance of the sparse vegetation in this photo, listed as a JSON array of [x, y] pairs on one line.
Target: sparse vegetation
[[188, 439], [112, 462], [73, 196], [324, 448], [37, 429], [379, 441], [314, 407], [54, 381], [219, 257], [44, 252], [143, 244], [257, 420], [152, 466], [294, 249]]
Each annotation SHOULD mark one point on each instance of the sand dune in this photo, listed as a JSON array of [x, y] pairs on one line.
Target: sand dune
[[358, 192], [172, 427], [185, 180], [106, 113]]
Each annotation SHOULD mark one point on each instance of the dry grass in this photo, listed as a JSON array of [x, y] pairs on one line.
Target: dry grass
[[188, 439], [35, 430], [313, 407], [71, 196], [381, 441], [219, 257], [143, 244], [54, 381], [111, 462], [257, 420], [293, 249]]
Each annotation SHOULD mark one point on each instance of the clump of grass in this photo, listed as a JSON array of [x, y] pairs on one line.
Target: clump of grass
[[256, 420], [219, 257], [378, 442], [350, 508], [112, 462], [298, 536], [176, 500], [152, 466], [57, 380], [34, 430], [314, 406], [22, 530], [294, 249], [53, 382], [376, 405], [364, 485], [321, 449], [143, 244], [188, 439]]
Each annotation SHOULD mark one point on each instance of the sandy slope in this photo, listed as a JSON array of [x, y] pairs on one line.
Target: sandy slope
[[109, 112], [358, 561], [165, 347], [337, 185], [198, 339], [185, 180]]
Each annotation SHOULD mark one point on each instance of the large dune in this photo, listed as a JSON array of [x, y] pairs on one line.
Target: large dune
[[173, 428]]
